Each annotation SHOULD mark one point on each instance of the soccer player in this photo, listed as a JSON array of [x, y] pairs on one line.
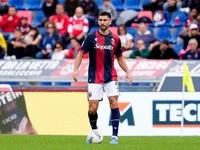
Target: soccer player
[[103, 46]]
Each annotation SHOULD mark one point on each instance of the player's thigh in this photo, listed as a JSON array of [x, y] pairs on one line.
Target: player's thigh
[[111, 89], [95, 91]]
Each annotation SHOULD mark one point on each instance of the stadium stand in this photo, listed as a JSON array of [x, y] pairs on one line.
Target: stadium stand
[[177, 48], [31, 5], [61, 1], [131, 4], [39, 15], [174, 37], [16, 3], [147, 14], [132, 31], [118, 4], [182, 18], [25, 13], [163, 33], [99, 3]]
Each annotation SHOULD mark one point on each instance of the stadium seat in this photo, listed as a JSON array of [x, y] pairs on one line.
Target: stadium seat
[[31, 5], [61, 1], [93, 29], [11, 83], [113, 29], [131, 4], [151, 30], [25, 13], [99, 3], [16, 3], [177, 48], [174, 37], [182, 18], [132, 31], [145, 13], [142, 2], [39, 15], [61, 83], [45, 83], [118, 4], [163, 33], [43, 30]]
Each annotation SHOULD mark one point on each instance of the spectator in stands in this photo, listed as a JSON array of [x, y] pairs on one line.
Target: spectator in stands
[[3, 43], [91, 11], [48, 41], [149, 39], [154, 5], [24, 26], [59, 51], [9, 22], [193, 33], [141, 51], [193, 52], [172, 5], [61, 20], [3, 8], [109, 7], [32, 40], [3, 46], [76, 47], [198, 20], [78, 26], [48, 7], [163, 51], [191, 4], [125, 37], [185, 29], [71, 5], [17, 46]]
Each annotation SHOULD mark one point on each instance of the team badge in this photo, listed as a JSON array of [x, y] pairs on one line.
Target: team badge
[[112, 41], [95, 39], [90, 94]]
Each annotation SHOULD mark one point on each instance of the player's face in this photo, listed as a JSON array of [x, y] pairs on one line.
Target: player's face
[[104, 22]]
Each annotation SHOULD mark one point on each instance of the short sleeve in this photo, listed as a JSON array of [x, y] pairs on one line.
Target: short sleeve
[[85, 45], [118, 51], [129, 36]]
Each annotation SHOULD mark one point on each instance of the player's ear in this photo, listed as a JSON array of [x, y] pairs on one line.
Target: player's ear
[[110, 21]]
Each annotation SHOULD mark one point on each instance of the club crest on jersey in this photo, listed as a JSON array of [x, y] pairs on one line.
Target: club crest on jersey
[[90, 94], [112, 41], [95, 39]]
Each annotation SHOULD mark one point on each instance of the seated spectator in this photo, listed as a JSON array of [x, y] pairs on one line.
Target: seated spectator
[[3, 46], [163, 51], [91, 11], [3, 8], [154, 5], [32, 40], [149, 39], [198, 20], [3, 43], [61, 20], [17, 46], [172, 5], [109, 7], [59, 51], [125, 37], [193, 33], [48, 7], [193, 52], [190, 4], [48, 41], [76, 47], [24, 26], [71, 5], [78, 26], [141, 51], [9, 22]]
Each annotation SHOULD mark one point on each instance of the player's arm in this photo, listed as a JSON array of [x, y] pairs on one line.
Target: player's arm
[[77, 64], [123, 65]]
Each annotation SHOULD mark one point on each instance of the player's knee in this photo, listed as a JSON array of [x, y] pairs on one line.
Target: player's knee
[[92, 110], [113, 103]]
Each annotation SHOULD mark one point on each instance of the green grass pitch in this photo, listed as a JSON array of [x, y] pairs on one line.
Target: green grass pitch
[[51, 142]]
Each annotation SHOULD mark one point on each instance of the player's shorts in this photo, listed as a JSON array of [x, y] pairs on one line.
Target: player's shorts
[[95, 91]]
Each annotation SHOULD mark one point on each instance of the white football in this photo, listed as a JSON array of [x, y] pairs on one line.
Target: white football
[[95, 136]]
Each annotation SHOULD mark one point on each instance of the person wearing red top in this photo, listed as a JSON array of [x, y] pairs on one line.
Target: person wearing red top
[[60, 19], [9, 22], [78, 25], [76, 47]]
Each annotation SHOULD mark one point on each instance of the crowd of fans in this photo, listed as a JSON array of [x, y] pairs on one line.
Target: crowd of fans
[[67, 25]]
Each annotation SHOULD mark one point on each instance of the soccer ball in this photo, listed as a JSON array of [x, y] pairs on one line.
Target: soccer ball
[[95, 136]]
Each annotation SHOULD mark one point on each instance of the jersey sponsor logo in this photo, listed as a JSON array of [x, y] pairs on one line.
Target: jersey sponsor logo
[[169, 113], [101, 47], [126, 113]]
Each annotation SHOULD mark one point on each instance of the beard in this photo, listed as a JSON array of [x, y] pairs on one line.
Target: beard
[[103, 27]]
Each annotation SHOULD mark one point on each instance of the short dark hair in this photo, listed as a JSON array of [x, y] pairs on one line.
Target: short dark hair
[[165, 41], [105, 13], [61, 44]]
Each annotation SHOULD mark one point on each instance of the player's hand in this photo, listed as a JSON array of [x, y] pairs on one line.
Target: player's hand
[[128, 77], [75, 75]]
